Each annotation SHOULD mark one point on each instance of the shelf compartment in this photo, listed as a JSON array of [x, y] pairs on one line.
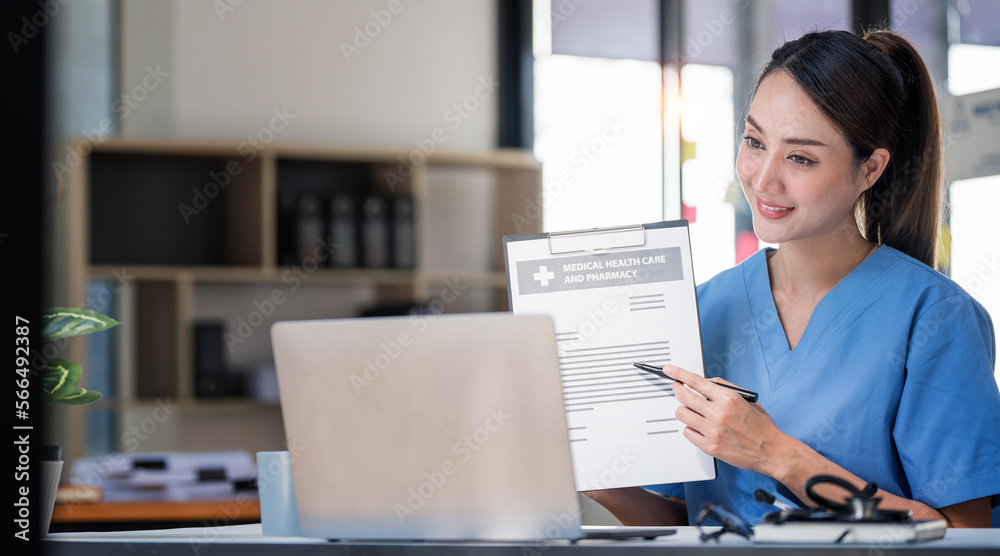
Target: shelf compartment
[[445, 298], [239, 274], [307, 188], [218, 265], [174, 210], [190, 404], [158, 312], [496, 279]]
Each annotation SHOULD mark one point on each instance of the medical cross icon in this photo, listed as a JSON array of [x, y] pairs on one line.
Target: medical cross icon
[[544, 275]]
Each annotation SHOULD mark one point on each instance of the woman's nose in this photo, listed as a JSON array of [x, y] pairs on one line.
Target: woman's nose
[[768, 178]]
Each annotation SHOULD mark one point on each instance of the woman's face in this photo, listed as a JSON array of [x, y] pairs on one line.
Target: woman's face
[[796, 168]]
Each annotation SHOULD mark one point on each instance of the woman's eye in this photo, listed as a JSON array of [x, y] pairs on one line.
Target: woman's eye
[[800, 160], [753, 143]]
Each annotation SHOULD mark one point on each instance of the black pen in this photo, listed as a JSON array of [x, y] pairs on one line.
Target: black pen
[[658, 371]]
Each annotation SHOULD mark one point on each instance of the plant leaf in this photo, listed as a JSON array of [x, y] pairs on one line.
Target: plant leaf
[[80, 396], [59, 379], [63, 322]]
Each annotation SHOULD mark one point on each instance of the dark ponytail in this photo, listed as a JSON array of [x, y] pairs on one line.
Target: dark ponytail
[[878, 92], [911, 186]]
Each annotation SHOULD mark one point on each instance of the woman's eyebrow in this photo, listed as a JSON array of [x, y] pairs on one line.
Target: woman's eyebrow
[[790, 140]]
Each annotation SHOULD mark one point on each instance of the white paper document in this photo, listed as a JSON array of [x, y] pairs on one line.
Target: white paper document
[[617, 296]]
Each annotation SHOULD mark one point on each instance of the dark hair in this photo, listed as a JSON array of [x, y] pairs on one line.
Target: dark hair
[[878, 92]]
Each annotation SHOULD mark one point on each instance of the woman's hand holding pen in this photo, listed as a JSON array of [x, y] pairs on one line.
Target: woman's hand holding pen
[[724, 425]]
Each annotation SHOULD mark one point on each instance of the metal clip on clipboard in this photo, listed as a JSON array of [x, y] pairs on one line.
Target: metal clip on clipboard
[[597, 239]]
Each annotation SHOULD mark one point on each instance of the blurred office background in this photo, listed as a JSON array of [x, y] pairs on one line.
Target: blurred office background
[[633, 107]]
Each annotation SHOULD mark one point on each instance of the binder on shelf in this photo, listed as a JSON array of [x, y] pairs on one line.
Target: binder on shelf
[[309, 227], [287, 210], [617, 296], [374, 232], [213, 377], [403, 233], [343, 232]]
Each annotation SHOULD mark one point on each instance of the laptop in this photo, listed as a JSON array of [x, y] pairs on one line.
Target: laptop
[[430, 427]]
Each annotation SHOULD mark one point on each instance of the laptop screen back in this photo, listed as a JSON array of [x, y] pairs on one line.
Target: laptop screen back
[[426, 427]]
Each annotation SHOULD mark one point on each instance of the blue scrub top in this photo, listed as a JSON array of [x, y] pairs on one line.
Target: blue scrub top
[[892, 380]]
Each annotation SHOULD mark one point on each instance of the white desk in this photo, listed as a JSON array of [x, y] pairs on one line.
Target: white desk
[[246, 540]]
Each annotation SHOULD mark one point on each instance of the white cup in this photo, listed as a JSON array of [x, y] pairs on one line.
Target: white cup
[[278, 515]]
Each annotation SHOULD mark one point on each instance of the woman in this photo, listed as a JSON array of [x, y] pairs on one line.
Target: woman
[[871, 365]]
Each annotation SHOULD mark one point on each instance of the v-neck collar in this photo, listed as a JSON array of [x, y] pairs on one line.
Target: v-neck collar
[[782, 363]]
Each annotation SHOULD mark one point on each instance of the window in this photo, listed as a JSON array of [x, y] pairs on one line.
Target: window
[[598, 135], [625, 139]]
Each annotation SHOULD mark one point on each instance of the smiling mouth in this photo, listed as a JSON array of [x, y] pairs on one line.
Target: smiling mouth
[[772, 213], [774, 209]]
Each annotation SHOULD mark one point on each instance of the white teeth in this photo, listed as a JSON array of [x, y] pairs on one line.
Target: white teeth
[[775, 209]]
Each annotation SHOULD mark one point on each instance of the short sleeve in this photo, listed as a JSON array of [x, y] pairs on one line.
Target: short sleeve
[[949, 413]]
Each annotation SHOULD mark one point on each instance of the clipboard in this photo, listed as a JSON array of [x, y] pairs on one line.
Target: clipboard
[[593, 240], [610, 292]]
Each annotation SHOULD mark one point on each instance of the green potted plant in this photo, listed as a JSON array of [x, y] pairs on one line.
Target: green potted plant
[[60, 379], [59, 376]]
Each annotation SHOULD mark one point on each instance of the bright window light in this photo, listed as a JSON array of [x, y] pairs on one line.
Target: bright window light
[[975, 257], [972, 203], [707, 123], [598, 136], [973, 68]]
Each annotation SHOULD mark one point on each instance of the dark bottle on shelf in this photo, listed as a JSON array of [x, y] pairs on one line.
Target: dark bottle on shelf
[[309, 229], [287, 201], [374, 232], [343, 232], [403, 235]]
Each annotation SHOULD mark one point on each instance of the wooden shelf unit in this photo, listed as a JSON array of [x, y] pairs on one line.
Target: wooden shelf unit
[[118, 217]]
